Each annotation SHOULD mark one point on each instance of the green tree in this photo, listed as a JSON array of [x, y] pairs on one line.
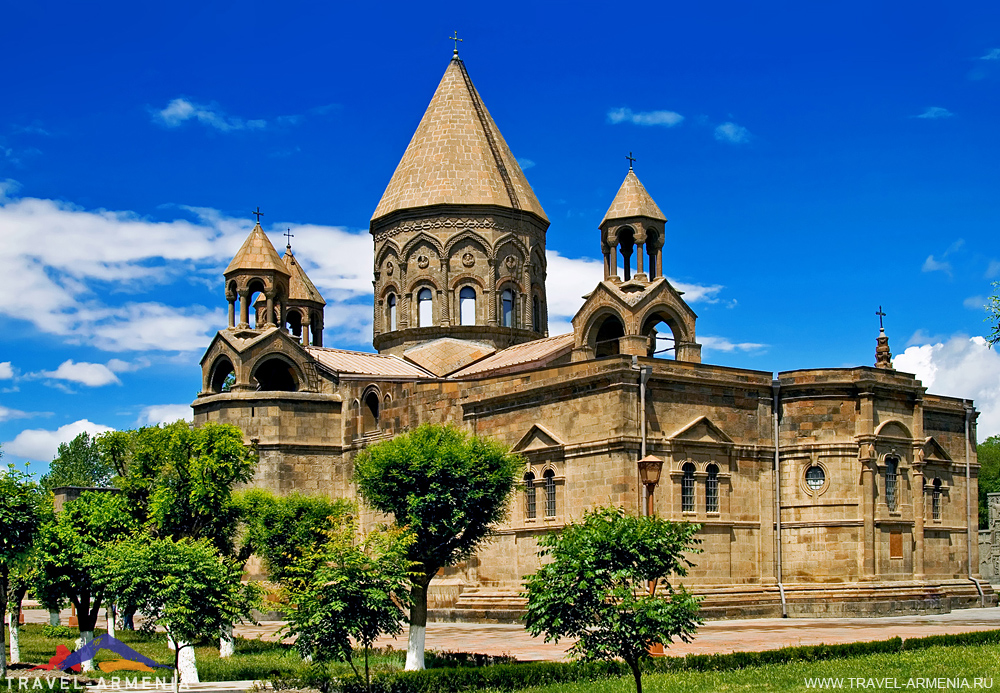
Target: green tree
[[349, 589], [19, 508], [989, 475], [599, 581], [450, 489], [284, 530], [78, 463], [69, 547], [184, 587]]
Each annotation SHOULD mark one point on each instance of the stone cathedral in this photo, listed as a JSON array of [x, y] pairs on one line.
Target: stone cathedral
[[835, 491]]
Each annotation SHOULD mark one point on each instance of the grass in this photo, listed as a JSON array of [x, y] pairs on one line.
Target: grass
[[970, 662], [254, 659]]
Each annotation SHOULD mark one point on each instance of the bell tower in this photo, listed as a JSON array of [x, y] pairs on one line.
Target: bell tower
[[459, 234]]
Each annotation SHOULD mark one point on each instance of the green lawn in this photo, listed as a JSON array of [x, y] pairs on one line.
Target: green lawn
[[969, 662], [254, 659]]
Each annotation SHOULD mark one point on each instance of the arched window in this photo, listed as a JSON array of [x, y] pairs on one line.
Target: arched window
[[712, 490], [293, 320], [275, 374], [507, 308], [687, 488], [891, 478], [536, 314], [626, 245], [425, 308], [223, 376], [606, 342], [390, 302], [467, 306], [815, 477], [550, 493], [936, 500], [529, 496], [369, 412]]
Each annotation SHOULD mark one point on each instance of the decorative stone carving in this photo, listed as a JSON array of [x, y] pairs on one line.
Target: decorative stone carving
[[423, 261], [511, 264], [389, 267], [468, 259]]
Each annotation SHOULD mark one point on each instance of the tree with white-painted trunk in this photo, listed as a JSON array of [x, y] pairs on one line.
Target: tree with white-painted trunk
[[450, 489], [19, 520], [184, 587], [69, 546], [352, 591]]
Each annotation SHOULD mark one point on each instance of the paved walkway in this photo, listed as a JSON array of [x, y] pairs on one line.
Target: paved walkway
[[713, 637]]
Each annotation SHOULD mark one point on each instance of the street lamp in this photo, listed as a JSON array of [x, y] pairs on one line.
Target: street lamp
[[649, 472]]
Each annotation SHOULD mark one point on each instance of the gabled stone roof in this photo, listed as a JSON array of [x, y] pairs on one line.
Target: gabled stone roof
[[457, 156], [257, 253], [447, 354], [632, 200], [300, 287], [531, 354]]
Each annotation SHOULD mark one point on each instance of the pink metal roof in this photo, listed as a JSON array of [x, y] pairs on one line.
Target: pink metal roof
[[361, 363]]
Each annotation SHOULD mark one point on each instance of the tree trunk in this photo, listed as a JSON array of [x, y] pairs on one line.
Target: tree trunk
[[109, 614], [418, 627], [86, 636], [15, 640], [637, 674], [3, 614], [54, 617], [227, 643], [187, 666]]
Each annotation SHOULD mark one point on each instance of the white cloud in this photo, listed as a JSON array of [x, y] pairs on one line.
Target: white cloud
[[723, 344], [89, 374], [6, 371], [932, 265], [626, 115], [41, 445], [975, 303], [732, 133], [934, 112], [993, 54], [6, 414], [181, 110], [960, 367], [993, 270], [164, 413], [697, 293], [525, 164], [70, 263]]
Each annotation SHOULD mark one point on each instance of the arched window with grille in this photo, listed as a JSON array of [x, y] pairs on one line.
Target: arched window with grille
[[507, 308], [550, 493], [390, 302], [425, 308], [712, 489], [467, 306], [936, 500], [530, 509], [687, 488], [891, 481]]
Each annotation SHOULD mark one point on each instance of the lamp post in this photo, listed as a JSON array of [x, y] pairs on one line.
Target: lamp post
[[649, 472]]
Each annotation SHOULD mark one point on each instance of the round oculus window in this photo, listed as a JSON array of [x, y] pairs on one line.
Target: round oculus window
[[815, 477]]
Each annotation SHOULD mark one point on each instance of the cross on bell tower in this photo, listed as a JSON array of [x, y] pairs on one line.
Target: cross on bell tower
[[883, 356]]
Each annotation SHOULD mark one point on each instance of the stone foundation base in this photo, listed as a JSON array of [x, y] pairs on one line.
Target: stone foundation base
[[850, 600]]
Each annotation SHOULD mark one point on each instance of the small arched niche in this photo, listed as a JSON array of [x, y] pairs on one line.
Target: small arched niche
[[626, 246], [276, 375], [370, 412]]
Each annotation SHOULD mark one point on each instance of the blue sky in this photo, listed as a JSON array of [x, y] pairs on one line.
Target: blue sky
[[813, 163]]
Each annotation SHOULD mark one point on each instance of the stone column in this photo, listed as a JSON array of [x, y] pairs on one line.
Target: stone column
[[232, 311], [305, 330], [918, 513], [490, 293], [607, 262], [244, 310], [269, 314], [446, 299], [640, 268], [868, 460]]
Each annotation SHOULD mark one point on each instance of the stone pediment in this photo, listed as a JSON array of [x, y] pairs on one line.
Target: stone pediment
[[933, 452], [893, 429], [538, 438], [702, 431]]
